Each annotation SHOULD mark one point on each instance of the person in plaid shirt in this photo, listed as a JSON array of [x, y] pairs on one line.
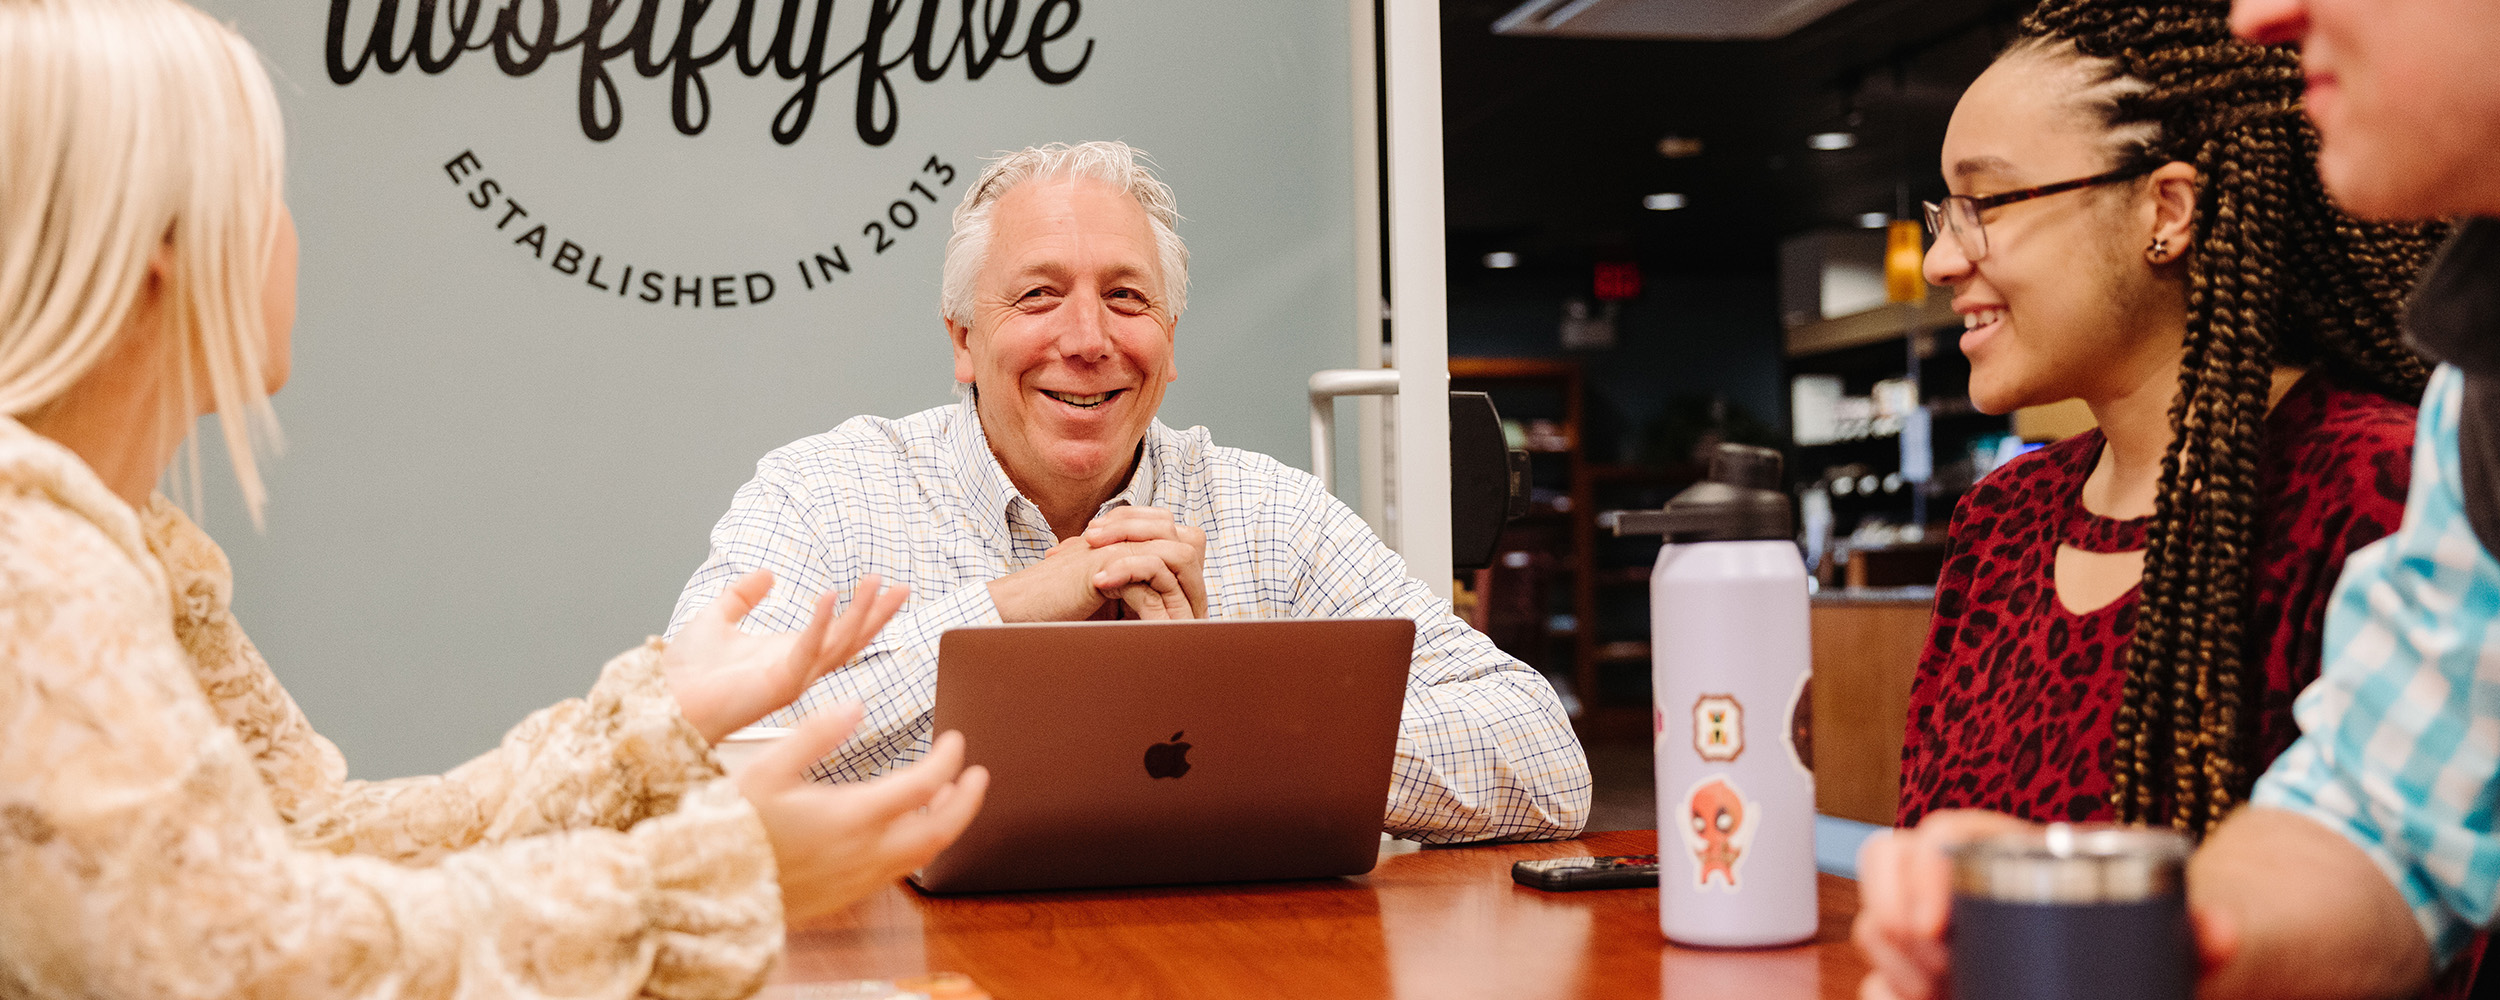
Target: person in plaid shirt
[[1049, 492]]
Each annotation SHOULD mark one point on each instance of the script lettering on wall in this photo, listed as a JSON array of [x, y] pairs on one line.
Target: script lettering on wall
[[865, 46], [791, 43]]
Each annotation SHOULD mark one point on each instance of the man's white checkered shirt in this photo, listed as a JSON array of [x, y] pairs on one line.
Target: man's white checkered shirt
[[1484, 747]]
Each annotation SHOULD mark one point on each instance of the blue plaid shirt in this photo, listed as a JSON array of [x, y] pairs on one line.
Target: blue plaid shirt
[[2400, 744], [1484, 747]]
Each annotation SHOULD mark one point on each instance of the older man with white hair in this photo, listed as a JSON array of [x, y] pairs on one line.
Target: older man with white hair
[[1049, 492]]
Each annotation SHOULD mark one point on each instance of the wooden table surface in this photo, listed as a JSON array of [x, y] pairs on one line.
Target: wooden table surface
[[1439, 923]]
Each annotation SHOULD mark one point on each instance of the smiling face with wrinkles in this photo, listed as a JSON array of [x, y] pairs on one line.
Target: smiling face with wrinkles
[[1069, 342]]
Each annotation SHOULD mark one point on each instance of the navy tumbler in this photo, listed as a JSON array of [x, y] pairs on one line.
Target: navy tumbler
[[2072, 912]]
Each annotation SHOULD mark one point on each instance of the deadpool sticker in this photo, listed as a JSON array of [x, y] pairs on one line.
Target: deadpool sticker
[[1718, 827]]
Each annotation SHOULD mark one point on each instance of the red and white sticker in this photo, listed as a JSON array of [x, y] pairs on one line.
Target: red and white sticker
[[1801, 725], [1718, 727], [1718, 826]]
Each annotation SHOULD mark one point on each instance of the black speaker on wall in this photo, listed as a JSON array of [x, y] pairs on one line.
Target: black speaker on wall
[[1488, 480]]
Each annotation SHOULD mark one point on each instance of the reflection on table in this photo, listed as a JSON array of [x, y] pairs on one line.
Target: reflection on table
[[1435, 923]]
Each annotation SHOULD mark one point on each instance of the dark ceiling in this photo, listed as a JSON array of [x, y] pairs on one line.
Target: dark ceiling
[[1553, 142]]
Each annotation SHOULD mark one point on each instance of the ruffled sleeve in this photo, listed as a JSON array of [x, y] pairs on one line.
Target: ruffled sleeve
[[620, 755], [145, 856], [615, 758]]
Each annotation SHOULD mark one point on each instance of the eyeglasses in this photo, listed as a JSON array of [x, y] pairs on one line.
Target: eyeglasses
[[1960, 213]]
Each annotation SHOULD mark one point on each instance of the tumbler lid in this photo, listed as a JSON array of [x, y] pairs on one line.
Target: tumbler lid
[[2070, 863], [1741, 501]]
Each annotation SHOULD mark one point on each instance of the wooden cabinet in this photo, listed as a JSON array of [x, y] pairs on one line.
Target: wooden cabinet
[[1552, 544], [1562, 596], [1866, 650]]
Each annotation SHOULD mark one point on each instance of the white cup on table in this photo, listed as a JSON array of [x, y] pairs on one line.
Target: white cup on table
[[740, 748]]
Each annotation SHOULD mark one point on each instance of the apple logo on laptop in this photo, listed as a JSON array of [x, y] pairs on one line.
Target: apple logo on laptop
[[1168, 760]]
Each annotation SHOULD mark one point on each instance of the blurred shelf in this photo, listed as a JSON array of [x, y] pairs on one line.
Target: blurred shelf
[[1873, 326], [1622, 652], [1864, 352], [1566, 561], [1915, 595], [1892, 433], [1516, 368]]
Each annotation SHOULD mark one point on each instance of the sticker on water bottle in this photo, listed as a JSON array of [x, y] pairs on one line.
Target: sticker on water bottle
[[1801, 725], [1718, 727], [1718, 827]]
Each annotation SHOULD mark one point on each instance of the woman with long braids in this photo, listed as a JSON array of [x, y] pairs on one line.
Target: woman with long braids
[[2125, 616]]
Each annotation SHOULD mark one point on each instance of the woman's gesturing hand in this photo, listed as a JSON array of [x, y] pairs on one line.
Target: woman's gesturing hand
[[838, 843], [725, 679]]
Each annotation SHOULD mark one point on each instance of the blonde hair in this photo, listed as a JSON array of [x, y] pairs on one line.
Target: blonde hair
[[1115, 163], [138, 128]]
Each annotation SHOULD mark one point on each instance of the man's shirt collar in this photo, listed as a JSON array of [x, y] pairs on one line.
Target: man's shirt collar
[[2454, 314], [991, 493]]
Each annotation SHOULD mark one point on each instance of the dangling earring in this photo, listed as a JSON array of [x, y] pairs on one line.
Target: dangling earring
[[2160, 250]]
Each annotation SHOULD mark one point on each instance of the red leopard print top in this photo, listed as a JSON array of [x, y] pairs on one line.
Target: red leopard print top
[[2015, 695]]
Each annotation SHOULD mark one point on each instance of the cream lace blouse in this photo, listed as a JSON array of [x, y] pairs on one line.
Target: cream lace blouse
[[170, 826]]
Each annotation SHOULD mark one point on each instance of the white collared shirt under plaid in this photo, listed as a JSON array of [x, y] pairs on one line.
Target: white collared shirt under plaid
[[2400, 734], [1485, 749]]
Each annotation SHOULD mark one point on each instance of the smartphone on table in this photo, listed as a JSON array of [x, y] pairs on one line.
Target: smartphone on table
[[1629, 871]]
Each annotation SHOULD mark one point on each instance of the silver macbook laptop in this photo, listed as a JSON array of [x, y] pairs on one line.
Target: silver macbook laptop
[[1141, 753]]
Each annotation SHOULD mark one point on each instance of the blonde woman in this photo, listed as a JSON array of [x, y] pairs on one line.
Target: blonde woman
[[169, 823]]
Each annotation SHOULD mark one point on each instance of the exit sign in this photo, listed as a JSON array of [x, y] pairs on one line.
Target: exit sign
[[1617, 281]]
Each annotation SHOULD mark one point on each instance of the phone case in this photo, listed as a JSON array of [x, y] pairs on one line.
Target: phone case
[[1571, 874]]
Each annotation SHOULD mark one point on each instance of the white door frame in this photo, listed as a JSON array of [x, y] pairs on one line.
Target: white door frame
[[1419, 289]]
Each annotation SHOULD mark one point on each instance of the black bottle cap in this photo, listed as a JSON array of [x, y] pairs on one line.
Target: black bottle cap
[[1741, 501], [1745, 465]]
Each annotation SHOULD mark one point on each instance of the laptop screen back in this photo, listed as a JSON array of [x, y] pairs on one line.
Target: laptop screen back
[[1136, 753]]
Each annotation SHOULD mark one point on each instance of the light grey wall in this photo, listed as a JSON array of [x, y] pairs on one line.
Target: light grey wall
[[496, 477]]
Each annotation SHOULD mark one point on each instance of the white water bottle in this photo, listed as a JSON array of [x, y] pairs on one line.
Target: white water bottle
[[1730, 662]]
